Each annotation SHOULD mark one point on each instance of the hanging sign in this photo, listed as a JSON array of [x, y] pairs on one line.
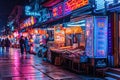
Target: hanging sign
[[28, 22], [57, 10]]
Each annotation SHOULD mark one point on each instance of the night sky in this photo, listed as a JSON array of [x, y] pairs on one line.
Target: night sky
[[6, 7]]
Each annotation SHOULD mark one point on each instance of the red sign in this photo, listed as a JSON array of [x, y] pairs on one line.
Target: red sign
[[57, 10], [74, 4]]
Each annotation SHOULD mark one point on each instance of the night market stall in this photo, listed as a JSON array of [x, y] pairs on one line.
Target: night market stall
[[81, 45]]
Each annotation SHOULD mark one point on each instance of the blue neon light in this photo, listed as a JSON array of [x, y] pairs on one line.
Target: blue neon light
[[100, 4], [45, 15], [100, 36], [28, 8], [31, 13]]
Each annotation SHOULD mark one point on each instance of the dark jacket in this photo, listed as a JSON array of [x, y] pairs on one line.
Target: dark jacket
[[22, 42], [27, 46], [3, 43], [7, 42]]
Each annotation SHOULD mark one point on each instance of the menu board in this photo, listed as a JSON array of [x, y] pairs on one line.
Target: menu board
[[100, 37], [71, 5], [59, 36]]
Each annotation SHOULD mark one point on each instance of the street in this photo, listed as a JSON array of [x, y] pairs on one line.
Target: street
[[13, 67]]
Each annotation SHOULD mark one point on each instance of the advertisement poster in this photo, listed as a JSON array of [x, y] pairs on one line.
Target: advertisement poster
[[59, 34], [100, 37]]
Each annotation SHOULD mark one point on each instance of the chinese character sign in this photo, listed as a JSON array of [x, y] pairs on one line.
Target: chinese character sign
[[57, 10], [71, 5], [100, 39]]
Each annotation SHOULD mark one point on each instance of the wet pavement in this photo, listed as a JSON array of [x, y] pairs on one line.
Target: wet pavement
[[13, 67]]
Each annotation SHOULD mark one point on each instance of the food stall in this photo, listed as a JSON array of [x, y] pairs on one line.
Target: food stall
[[66, 40], [80, 46]]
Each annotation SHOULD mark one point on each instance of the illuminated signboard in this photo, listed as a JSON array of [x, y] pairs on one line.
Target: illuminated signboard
[[45, 15], [28, 22], [31, 13], [100, 39], [71, 5], [118, 0], [57, 10], [89, 35], [100, 4], [42, 15], [59, 34]]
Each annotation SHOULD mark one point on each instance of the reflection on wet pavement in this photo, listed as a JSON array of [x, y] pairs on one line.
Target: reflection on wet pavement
[[13, 67]]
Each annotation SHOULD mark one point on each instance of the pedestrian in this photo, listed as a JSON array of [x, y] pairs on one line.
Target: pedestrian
[[3, 44], [22, 45], [7, 44], [27, 46], [0, 41]]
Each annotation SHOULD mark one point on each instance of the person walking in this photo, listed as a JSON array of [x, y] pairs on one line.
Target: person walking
[[22, 45], [27, 46], [7, 44], [3, 44]]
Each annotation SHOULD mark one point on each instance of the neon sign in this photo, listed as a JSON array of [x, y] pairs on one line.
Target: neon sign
[[71, 5], [45, 15], [100, 4], [54, 11], [31, 13], [100, 39], [57, 10], [28, 22]]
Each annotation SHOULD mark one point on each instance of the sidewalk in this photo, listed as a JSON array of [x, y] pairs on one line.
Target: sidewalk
[[12, 67]]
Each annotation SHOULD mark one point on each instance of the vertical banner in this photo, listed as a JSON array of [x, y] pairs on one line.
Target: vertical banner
[[89, 37], [100, 36]]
